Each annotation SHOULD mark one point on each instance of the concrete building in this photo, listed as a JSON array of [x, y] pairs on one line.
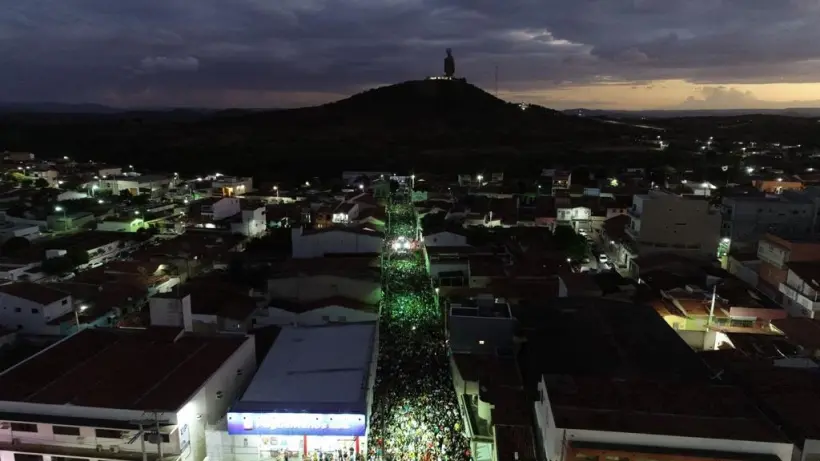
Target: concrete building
[[312, 393], [613, 381], [480, 325], [30, 308], [232, 186], [337, 309], [775, 253], [312, 280], [445, 239], [747, 219], [204, 305], [9, 230], [121, 395], [47, 173], [19, 156], [251, 222], [334, 240], [801, 289], [664, 222]]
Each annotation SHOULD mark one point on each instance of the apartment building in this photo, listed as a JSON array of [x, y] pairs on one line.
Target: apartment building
[[746, 219], [661, 221], [801, 289], [775, 254], [121, 395]]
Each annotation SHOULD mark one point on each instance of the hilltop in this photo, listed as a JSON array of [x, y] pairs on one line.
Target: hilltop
[[386, 127]]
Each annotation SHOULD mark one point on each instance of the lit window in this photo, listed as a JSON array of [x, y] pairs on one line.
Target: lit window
[[481, 341]]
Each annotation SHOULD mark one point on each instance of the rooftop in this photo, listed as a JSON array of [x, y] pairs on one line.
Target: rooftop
[[594, 336], [322, 369], [804, 332], [663, 408], [139, 369], [300, 307], [33, 292]]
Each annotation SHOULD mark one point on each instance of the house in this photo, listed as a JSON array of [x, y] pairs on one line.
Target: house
[[336, 309], [334, 240], [661, 221], [747, 218], [88, 395], [775, 253], [801, 289], [205, 305], [446, 238], [46, 173], [232, 186], [28, 307]]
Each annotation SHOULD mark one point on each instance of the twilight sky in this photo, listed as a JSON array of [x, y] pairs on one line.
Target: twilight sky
[[624, 54]]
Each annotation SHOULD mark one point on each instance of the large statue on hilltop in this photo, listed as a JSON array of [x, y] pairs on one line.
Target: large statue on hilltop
[[449, 64]]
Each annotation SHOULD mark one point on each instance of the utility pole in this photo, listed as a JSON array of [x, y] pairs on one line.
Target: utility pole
[[712, 306], [145, 427]]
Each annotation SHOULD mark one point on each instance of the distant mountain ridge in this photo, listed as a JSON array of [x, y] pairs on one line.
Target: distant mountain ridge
[[679, 113]]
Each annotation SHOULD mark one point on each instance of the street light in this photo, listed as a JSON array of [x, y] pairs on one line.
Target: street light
[[77, 311], [59, 208], [100, 201], [136, 212], [276, 188]]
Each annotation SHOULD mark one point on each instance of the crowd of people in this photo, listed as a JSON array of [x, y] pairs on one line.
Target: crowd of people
[[415, 415]]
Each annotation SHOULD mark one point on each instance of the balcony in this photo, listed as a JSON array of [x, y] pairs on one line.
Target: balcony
[[106, 453], [633, 234], [633, 213], [796, 296]]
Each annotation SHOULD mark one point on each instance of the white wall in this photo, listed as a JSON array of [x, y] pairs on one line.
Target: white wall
[[168, 311], [320, 316], [225, 208], [316, 245], [32, 317], [207, 407]]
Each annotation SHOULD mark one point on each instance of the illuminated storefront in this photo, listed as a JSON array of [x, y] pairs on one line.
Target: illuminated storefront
[[305, 435]]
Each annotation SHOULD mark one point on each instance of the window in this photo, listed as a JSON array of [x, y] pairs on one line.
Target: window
[[63, 458], [35, 311], [17, 309], [152, 437], [23, 427], [65, 301], [66, 430], [25, 457], [326, 318], [107, 434], [342, 318]]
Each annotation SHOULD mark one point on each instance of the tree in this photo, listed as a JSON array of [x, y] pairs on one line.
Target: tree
[[26, 182], [41, 183], [56, 266], [77, 256], [566, 240], [14, 246]]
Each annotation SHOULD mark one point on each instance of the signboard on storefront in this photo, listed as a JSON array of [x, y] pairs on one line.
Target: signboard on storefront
[[297, 424]]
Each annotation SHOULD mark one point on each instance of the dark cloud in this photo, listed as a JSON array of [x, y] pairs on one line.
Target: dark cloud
[[205, 52]]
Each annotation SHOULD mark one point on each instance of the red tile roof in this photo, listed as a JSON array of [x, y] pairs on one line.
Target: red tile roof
[[803, 331], [664, 408], [152, 369]]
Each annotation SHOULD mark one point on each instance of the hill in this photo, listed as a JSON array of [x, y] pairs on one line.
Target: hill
[[385, 127]]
